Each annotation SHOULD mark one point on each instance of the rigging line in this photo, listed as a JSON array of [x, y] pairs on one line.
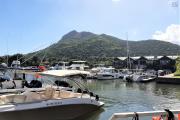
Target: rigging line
[[36, 49], [30, 58], [33, 55], [43, 57], [127, 47]]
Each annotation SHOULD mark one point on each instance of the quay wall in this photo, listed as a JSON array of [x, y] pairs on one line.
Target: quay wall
[[168, 80]]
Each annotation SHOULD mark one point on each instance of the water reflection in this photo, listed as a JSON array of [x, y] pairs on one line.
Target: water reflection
[[120, 96], [170, 91]]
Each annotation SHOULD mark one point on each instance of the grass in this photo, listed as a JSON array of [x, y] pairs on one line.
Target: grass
[[177, 74]]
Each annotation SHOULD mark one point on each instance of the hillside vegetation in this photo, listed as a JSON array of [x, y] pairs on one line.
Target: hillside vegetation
[[99, 48], [83, 45]]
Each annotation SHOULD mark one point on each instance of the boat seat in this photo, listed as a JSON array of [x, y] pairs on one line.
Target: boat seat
[[76, 94], [12, 98], [47, 93], [31, 96], [61, 94], [19, 98], [65, 94], [5, 99]]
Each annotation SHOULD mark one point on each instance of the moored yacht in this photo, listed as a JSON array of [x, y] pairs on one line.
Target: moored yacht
[[107, 74], [143, 77], [78, 65]]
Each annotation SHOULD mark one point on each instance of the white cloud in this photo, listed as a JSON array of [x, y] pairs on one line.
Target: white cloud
[[172, 34]]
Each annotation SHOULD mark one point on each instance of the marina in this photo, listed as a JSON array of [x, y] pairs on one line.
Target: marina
[[118, 96], [122, 97], [110, 95], [90, 60]]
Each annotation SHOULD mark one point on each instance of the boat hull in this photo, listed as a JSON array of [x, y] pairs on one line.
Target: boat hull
[[147, 80], [105, 77], [62, 112]]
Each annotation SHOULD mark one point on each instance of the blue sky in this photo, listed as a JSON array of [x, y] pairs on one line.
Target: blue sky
[[28, 25]]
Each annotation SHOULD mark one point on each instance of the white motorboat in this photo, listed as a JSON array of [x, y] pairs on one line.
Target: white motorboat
[[107, 74], [148, 79], [79, 65], [143, 77], [50, 103]]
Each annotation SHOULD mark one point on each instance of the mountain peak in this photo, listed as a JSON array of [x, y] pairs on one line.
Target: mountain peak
[[78, 35], [70, 34], [73, 32]]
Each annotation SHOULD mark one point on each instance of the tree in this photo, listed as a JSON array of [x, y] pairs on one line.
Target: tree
[[177, 73], [1, 59], [15, 57]]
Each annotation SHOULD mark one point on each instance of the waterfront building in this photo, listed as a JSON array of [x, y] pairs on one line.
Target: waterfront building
[[146, 62]]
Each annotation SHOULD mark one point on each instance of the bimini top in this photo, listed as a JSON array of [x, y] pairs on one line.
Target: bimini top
[[64, 73]]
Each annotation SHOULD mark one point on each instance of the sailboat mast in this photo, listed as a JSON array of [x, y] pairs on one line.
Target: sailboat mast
[[127, 47], [7, 57]]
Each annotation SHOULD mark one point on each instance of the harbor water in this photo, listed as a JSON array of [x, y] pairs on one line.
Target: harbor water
[[120, 96]]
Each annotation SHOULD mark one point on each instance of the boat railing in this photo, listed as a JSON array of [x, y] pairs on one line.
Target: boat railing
[[119, 116]]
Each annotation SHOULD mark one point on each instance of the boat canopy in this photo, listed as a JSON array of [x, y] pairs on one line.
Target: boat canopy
[[64, 73]]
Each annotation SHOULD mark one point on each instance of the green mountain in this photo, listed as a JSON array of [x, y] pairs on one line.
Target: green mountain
[[86, 45]]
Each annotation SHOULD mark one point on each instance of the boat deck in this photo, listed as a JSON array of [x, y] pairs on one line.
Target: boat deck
[[48, 93]]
